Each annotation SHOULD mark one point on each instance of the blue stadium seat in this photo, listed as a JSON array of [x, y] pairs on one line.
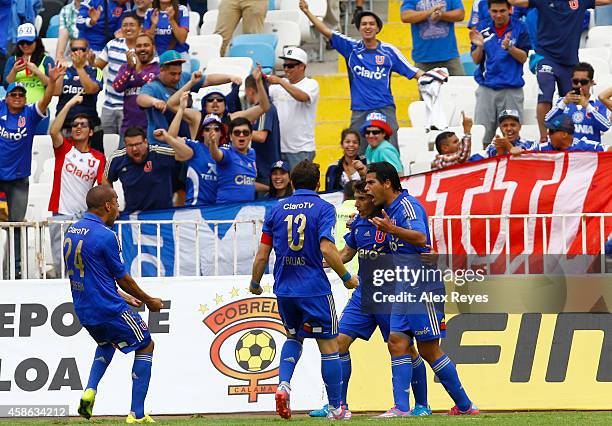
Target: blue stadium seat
[[195, 64], [272, 5], [271, 39], [261, 53], [53, 29], [2, 92], [468, 64]]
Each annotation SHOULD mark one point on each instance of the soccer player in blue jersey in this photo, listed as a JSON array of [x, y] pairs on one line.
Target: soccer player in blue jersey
[[405, 221], [94, 266], [370, 63], [300, 229], [371, 248]]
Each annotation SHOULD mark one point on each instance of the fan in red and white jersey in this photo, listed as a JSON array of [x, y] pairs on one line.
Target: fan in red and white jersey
[[77, 166]]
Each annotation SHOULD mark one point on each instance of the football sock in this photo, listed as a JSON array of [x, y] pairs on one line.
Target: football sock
[[331, 370], [102, 358], [401, 369], [141, 376], [419, 381], [345, 363], [290, 355], [444, 368]]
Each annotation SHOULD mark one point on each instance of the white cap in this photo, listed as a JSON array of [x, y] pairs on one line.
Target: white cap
[[296, 54], [26, 32]]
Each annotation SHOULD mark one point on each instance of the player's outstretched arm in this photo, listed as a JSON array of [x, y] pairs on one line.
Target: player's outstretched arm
[[128, 285], [333, 259], [259, 266]]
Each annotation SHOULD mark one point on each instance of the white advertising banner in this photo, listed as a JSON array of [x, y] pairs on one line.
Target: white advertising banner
[[217, 349]]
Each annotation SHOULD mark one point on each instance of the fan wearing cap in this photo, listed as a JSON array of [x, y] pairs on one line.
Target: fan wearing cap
[[154, 96], [18, 120], [561, 137], [433, 33], [376, 131], [29, 65], [510, 126], [280, 181], [370, 63], [296, 98]]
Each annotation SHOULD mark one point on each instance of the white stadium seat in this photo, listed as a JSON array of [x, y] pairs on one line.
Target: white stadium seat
[[598, 57], [292, 16], [46, 173], [226, 65], [50, 46], [478, 132], [602, 82], [194, 23], [411, 141], [600, 36], [530, 132], [288, 34], [42, 150], [419, 167], [38, 201], [416, 113], [111, 143], [456, 99], [209, 23], [205, 47]]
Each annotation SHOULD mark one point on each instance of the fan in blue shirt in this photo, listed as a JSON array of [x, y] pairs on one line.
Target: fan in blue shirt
[[157, 24], [300, 229], [561, 137], [94, 266], [99, 19]]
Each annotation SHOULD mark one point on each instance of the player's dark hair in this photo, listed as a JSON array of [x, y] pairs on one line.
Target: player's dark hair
[[441, 140], [385, 171], [359, 186], [98, 195], [240, 121], [250, 82], [584, 66], [86, 117], [305, 175], [132, 131], [492, 2], [133, 15], [347, 132]]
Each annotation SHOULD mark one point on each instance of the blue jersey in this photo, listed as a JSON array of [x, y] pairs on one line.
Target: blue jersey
[[407, 212], [296, 226], [480, 12], [498, 69], [589, 123], [370, 71], [201, 175], [16, 138], [71, 85], [433, 41], [237, 173], [163, 32], [560, 27], [577, 145], [109, 22], [268, 152], [93, 263], [491, 150]]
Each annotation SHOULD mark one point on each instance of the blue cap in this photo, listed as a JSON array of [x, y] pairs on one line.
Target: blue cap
[[171, 57], [211, 118], [15, 85], [561, 122], [282, 165]]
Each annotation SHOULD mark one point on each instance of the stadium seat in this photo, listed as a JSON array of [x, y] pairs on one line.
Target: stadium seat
[[50, 9], [411, 141], [419, 167], [209, 22], [260, 53], [213, 4], [288, 34], [529, 114], [194, 23], [42, 150], [600, 36], [50, 46], [478, 132], [53, 29], [468, 64], [606, 139], [38, 201], [602, 82], [204, 48], [317, 7], [111, 143], [598, 57], [416, 113], [2, 92], [226, 65], [306, 35], [462, 81], [38, 22], [266, 38], [46, 173], [456, 99], [530, 132]]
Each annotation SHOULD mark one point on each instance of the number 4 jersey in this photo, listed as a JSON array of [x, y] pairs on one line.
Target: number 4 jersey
[[93, 262], [295, 228]]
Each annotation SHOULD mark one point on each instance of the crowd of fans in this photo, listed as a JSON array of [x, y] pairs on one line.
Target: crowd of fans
[[173, 153]]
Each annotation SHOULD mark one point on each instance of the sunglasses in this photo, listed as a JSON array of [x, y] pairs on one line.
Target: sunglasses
[[213, 128], [17, 95], [80, 124], [239, 133], [373, 132], [77, 49], [290, 66], [211, 100], [582, 82], [26, 42]]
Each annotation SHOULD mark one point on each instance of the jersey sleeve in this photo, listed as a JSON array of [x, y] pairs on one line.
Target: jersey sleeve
[[62, 149], [112, 255], [184, 18], [412, 217], [454, 5], [401, 65], [408, 5], [327, 222], [524, 42], [349, 239], [227, 156], [343, 44], [268, 225], [147, 19], [47, 63]]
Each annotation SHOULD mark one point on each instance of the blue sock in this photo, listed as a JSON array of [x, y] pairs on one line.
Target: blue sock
[[331, 370], [290, 355], [141, 376], [444, 368], [102, 358], [345, 363], [419, 381], [401, 369]]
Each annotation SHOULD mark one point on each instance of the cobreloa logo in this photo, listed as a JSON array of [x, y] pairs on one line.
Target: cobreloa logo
[[245, 344]]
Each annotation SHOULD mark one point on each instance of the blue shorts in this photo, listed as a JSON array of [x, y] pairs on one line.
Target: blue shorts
[[309, 317], [358, 324], [550, 73], [127, 332], [429, 325]]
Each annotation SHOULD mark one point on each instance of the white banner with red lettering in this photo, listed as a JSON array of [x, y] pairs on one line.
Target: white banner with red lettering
[[530, 184]]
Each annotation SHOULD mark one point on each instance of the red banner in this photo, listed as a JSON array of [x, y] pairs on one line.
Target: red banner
[[559, 183]]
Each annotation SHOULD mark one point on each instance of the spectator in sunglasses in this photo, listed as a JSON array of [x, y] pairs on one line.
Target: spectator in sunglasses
[[376, 131], [590, 116], [29, 65]]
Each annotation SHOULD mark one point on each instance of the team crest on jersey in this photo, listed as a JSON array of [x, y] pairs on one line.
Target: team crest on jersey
[[380, 236], [21, 122], [380, 60], [117, 12], [148, 166], [577, 117], [574, 4]]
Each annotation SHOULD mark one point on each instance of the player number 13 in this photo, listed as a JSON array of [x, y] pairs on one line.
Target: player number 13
[[300, 222]]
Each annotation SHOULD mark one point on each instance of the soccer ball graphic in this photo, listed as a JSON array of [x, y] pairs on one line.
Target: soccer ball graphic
[[255, 350]]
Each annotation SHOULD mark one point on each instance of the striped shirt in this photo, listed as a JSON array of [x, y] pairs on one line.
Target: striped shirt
[[68, 19], [460, 156], [114, 54]]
